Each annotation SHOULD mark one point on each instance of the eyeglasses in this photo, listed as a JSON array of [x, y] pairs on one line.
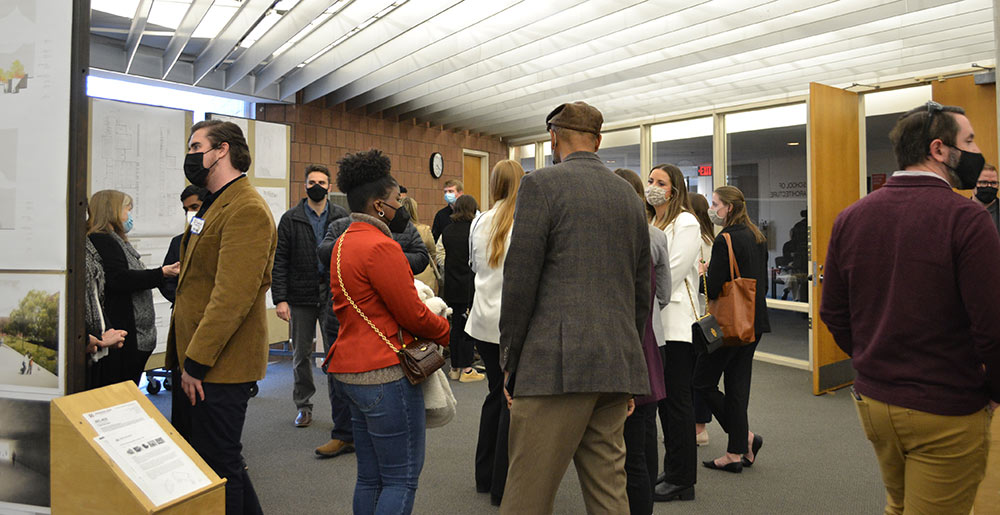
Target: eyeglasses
[[932, 108], [988, 184]]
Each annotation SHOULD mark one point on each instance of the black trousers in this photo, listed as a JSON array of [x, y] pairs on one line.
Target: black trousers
[[641, 458], [734, 365], [494, 427], [680, 458], [214, 427], [460, 344]]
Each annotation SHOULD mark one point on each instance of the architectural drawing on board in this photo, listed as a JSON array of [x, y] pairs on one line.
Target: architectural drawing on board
[[139, 150], [8, 178], [17, 58], [24, 452]]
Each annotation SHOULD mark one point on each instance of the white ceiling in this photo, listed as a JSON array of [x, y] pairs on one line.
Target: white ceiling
[[498, 66]]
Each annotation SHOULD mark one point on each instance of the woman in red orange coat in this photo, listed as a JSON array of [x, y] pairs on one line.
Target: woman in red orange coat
[[377, 304]]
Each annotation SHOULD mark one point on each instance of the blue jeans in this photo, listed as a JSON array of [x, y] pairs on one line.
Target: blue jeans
[[389, 436]]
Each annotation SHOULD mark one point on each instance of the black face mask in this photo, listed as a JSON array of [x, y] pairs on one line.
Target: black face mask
[[968, 168], [316, 192], [196, 172], [986, 194], [399, 222]]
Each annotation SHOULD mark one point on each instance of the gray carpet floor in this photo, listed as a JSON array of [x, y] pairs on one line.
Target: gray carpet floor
[[815, 459]]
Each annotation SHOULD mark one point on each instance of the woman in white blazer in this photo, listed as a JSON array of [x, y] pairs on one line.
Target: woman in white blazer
[[489, 239], [699, 207], [666, 192]]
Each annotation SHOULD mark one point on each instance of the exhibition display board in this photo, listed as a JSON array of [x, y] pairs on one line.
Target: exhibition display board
[[114, 452]]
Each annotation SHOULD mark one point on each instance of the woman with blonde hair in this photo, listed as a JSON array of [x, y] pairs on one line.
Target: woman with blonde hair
[[488, 242], [128, 285], [430, 273], [729, 210], [666, 192]]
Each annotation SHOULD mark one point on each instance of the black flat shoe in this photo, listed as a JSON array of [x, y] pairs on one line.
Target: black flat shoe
[[734, 467], [758, 442], [665, 492]]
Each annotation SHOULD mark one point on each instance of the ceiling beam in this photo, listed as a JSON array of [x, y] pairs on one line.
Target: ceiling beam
[[135, 31], [438, 32], [330, 31], [405, 18], [293, 21], [195, 13], [443, 56], [249, 13]]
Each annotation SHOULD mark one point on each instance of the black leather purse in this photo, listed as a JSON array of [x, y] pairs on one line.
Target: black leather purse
[[706, 334]]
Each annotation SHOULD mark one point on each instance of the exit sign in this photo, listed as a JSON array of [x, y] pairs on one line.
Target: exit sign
[[705, 170]]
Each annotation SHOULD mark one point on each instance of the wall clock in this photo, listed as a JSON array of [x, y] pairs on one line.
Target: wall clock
[[437, 165]]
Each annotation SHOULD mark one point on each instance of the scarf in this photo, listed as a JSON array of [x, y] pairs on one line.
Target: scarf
[[142, 301]]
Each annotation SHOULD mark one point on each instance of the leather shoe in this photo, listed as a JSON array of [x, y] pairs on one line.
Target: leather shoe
[[334, 448], [758, 442], [304, 419], [665, 492], [734, 467]]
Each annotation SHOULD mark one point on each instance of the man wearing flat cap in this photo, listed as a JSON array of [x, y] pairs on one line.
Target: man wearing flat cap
[[575, 300]]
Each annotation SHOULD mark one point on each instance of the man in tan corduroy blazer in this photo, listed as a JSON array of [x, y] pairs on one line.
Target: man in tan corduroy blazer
[[218, 333]]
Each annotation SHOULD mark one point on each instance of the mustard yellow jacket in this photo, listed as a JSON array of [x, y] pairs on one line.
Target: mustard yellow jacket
[[219, 316]]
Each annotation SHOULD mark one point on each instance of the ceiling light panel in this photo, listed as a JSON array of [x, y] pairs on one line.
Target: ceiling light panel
[[216, 19], [168, 13]]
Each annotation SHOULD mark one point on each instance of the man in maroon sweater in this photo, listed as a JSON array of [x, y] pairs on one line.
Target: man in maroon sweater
[[912, 294]]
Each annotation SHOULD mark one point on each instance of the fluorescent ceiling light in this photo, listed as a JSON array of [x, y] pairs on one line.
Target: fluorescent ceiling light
[[784, 116], [896, 100], [123, 8], [261, 29], [216, 19], [793, 143], [683, 129]]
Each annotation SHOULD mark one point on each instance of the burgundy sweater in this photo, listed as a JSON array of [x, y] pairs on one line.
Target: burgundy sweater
[[912, 294]]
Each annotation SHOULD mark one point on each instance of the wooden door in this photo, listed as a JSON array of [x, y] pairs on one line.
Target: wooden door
[[472, 171], [834, 168], [980, 104]]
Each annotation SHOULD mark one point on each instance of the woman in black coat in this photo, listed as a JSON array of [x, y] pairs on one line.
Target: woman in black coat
[[128, 299], [729, 209], [459, 285]]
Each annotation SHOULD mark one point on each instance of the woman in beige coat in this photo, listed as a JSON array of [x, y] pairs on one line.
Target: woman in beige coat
[[429, 275]]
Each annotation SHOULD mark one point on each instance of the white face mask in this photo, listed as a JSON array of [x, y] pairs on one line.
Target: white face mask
[[713, 215], [190, 216], [656, 196]]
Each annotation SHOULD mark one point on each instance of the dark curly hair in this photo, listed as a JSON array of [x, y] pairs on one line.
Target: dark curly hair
[[364, 176]]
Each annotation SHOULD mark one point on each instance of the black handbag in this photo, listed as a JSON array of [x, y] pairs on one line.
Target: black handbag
[[706, 334]]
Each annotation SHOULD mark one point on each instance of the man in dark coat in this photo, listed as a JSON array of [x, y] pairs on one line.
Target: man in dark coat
[[575, 301], [296, 292]]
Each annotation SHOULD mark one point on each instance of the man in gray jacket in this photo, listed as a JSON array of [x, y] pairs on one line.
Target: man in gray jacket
[[575, 300]]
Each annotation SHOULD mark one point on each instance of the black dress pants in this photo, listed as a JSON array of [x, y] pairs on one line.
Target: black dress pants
[[641, 458], [494, 427], [680, 458], [462, 353], [734, 365], [215, 428]]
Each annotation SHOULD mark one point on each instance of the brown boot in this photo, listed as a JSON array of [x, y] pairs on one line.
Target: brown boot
[[334, 448]]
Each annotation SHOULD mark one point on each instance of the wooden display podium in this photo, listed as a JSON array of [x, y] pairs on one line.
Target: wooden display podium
[[84, 478]]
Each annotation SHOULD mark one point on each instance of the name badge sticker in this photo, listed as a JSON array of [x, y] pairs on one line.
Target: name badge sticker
[[197, 224]]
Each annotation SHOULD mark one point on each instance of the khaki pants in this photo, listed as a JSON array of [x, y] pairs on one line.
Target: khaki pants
[[931, 464], [546, 432]]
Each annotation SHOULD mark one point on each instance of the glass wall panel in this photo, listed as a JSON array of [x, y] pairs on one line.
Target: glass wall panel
[[789, 334], [882, 110], [767, 161], [525, 154], [547, 152], [686, 144], [620, 149]]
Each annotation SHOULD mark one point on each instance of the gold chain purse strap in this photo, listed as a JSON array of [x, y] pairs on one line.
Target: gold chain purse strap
[[340, 278], [691, 298]]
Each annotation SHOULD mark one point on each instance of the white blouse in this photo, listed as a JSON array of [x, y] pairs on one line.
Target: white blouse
[[484, 317]]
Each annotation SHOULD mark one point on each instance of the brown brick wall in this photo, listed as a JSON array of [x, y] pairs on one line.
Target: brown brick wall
[[323, 135]]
